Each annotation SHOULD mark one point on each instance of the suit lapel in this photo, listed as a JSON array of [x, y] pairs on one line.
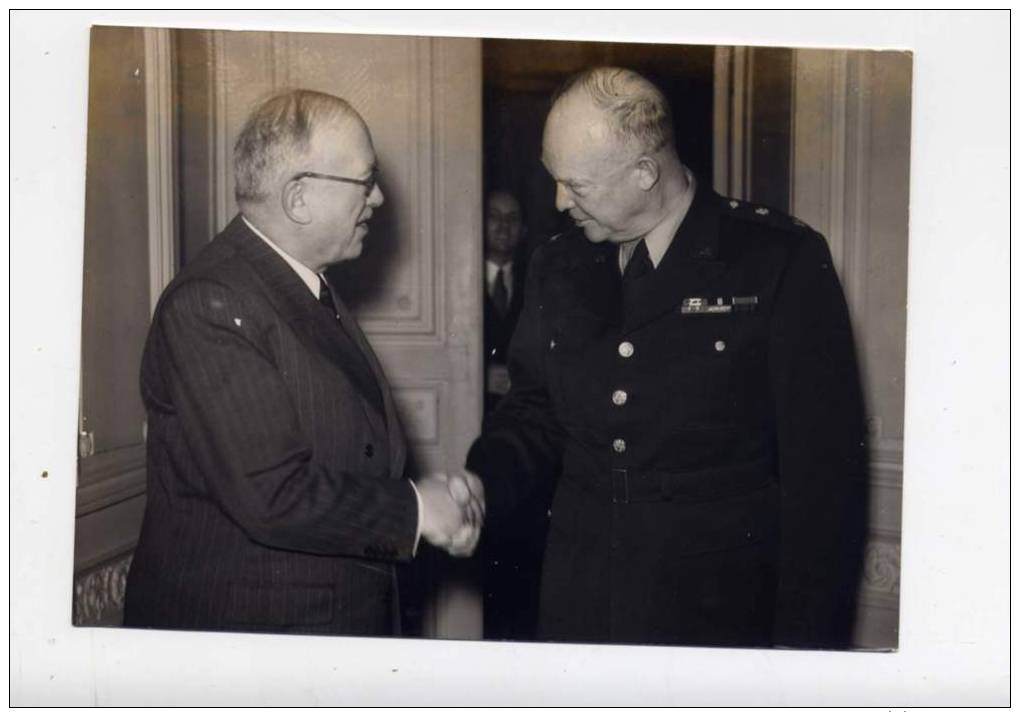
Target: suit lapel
[[397, 445], [691, 263], [313, 325]]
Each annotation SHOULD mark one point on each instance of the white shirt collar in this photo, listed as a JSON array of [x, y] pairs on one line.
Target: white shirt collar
[[492, 270], [660, 237], [309, 277]]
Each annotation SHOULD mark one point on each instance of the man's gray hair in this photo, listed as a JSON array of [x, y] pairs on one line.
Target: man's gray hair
[[279, 131], [636, 109]]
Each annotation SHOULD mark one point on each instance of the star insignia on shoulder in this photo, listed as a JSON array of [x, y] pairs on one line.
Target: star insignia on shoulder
[[734, 204]]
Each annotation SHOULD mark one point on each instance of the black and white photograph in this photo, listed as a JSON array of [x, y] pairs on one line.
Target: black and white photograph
[[423, 339]]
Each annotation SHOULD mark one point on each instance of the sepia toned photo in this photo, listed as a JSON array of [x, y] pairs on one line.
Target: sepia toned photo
[[493, 339]]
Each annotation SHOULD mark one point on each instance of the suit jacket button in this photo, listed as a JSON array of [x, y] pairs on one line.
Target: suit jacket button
[[369, 450]]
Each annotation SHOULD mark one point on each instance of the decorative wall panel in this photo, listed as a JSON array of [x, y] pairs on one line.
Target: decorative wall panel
[[99, 594]]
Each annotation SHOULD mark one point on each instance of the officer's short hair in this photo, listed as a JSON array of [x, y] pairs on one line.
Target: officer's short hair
[[277, 135], [637, 109]]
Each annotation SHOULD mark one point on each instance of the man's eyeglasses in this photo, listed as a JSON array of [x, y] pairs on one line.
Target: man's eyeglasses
[[367, 183]]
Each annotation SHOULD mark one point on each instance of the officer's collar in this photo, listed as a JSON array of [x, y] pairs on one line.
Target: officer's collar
[[697, 238]]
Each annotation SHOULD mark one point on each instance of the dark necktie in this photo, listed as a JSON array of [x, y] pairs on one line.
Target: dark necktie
[[500, 296], [326, 298], [639, 264]]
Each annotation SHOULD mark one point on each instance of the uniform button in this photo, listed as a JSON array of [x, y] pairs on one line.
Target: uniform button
[[369, 450], [619, 445], [552, 344], [619, 397], [720, 345], [626, 349]]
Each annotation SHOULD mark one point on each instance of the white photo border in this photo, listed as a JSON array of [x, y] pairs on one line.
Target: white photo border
[[954, 640]]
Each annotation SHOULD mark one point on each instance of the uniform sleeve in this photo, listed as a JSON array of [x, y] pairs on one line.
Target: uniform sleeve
[[243, 429], [821, 450], [522, 440]]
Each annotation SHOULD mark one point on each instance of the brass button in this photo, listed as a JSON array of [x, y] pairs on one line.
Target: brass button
[[619, 445], [720, 345], [552, 344], [619, 397], [626, 349]]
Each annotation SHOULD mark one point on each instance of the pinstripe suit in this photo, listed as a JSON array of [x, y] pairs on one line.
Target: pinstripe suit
[[275, 461]]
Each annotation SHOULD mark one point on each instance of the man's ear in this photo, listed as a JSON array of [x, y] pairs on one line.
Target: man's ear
[[294, 203], [648, 172]]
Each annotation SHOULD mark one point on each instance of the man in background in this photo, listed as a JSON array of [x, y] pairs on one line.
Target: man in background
[[277, 496], [504, 288], [686, 363]]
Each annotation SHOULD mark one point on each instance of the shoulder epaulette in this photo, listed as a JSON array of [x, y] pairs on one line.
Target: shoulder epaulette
[[764, 215]]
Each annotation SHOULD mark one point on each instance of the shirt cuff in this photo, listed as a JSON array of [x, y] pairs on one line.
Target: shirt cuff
[[417, 528]]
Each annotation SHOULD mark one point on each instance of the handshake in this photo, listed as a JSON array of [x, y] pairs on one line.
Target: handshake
[[453, 510]]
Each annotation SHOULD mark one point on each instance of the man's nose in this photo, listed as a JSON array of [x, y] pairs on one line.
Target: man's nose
[[563, 199], [376, 197]]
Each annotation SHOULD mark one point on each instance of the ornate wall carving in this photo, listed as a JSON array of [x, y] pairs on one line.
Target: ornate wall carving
[[99, 594], [882, 568]]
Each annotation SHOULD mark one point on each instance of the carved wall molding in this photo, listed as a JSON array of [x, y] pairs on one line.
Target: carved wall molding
[[732, 134], [99, 594], [887, 463], [419, 412], [881, 579], [418, 313], [160, 158]]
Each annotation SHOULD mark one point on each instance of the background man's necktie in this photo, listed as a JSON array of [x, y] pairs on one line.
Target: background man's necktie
[[500, 294]]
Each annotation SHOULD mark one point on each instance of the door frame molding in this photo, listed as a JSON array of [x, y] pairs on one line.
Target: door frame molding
[[160, 158]]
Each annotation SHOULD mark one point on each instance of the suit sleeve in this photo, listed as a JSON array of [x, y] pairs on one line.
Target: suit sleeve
[[243, 429], [821, 450], [522, 440]]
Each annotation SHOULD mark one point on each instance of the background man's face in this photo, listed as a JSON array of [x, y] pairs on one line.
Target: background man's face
[[342, 210], [503, 226], [595, 175]]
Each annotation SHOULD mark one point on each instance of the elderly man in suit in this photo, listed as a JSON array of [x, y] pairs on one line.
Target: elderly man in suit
[[277, 497], [686, 362]]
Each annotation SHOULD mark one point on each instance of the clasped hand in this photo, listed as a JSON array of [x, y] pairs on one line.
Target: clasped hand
[[453, 510]]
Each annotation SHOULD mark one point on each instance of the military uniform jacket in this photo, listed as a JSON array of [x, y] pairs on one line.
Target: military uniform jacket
[[708, 428], [275, 461]]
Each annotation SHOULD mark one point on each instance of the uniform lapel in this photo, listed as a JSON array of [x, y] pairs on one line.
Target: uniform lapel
[[593, 279], [691, 262]]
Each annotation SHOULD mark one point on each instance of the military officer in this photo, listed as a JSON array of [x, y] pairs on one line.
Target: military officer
[[686, 363]]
